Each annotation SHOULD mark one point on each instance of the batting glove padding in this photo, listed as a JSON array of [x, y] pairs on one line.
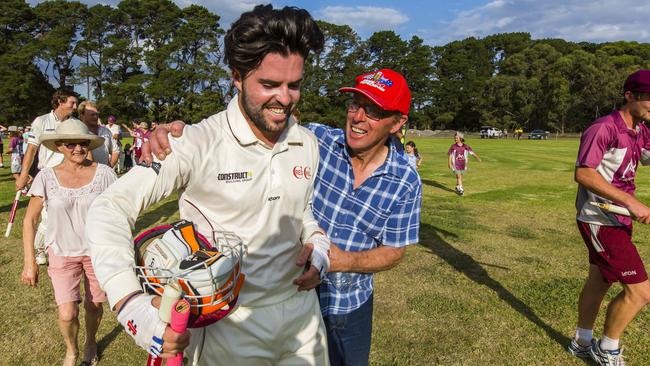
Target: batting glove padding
[[320, 255], [141, 321]]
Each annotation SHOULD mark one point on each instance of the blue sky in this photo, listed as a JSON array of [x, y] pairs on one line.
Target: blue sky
[[439, 22]]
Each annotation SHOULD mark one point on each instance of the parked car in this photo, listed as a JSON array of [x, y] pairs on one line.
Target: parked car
[[489, 132], [538, 135]]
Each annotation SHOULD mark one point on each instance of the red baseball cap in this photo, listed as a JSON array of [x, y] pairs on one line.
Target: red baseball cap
[[638, 81], [386, 88]]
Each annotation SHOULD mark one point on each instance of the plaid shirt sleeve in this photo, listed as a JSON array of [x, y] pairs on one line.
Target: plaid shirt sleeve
[[403, 225]]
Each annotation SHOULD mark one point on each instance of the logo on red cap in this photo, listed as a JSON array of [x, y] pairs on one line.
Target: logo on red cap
[[377, 80], [386, 88]]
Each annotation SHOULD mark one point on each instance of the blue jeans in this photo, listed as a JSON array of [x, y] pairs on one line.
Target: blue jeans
[[349, 336]]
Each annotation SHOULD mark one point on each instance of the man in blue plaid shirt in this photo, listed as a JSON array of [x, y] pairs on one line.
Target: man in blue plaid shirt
[[368, 199]]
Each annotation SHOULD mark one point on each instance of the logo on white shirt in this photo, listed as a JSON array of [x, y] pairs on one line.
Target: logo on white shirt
[[301, 172], [235, 177]]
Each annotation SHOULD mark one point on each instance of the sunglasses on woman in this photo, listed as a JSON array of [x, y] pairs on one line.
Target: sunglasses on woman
[[73, 145]]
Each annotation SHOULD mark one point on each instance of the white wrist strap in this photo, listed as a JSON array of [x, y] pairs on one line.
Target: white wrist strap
[[320, 255], [141, 321]]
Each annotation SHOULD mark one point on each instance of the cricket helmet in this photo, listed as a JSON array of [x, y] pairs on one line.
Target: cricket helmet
[[209, 275]]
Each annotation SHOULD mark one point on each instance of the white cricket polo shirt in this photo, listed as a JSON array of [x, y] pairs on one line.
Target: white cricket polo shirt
[[43, 125], [103, 153], [228, 179]]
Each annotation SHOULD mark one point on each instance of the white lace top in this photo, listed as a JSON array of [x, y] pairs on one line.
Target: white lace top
[[67, 209]]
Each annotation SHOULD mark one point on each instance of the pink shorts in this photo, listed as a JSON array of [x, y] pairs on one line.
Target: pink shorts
[[611, 249], [65, 273]]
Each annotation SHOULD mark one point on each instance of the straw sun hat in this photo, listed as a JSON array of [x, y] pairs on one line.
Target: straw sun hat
[[71, 129]]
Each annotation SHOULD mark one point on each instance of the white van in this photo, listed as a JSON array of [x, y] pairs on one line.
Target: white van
[[489, 132]]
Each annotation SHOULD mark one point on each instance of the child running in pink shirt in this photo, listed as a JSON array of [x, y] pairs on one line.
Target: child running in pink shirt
[[458, 154]]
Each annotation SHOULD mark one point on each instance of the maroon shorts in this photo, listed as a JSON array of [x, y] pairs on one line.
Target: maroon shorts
[[611, 249]]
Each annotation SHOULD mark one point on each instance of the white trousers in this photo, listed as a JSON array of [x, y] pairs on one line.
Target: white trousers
[[285, 334]]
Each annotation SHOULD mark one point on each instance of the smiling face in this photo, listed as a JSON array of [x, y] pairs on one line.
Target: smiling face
[[73, 151], [363, 133], [269, 93]]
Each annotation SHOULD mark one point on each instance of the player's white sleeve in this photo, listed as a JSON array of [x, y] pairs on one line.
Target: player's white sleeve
[[35, 132], [111, 219]]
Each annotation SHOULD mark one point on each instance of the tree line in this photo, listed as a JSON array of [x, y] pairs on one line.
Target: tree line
[[151, 59]]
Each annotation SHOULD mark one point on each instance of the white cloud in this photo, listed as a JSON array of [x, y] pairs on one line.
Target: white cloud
[[228, 10], [363, 19], [573, 20]]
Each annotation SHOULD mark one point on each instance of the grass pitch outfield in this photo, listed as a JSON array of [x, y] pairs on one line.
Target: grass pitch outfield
[[494, 280]]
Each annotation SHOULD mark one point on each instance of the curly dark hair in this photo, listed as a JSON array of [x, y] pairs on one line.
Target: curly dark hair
[[61, 96], [266, 30]]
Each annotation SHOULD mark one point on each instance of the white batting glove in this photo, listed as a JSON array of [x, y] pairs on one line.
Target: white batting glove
[[320, 255], [141, 321]]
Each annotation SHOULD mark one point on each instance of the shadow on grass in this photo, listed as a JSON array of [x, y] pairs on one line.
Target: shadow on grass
[[108, 339], [436, 184], [9, 178], [432, 238]]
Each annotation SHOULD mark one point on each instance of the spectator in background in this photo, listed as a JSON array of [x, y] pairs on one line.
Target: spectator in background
[[2, 147], [109, 152], [412, 155], [128, 157], [25, 134], [116, 132], [16, 150], [459, 153], [140, 134]]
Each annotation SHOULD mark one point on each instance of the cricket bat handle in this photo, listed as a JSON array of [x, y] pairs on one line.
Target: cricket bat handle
[[170, 296], [179, 316], [12, 215], [613, 208]]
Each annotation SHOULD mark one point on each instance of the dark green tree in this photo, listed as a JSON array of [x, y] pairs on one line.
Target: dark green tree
[[58, 32]]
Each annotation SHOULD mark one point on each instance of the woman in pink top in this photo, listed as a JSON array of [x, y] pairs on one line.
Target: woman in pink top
[[459, 153], [67, 191]]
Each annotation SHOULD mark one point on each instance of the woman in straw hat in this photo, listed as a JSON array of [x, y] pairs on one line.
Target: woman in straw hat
[[67, 191]]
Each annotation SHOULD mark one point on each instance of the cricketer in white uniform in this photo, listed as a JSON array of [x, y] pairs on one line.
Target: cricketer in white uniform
[[43, 125], [228, 178]]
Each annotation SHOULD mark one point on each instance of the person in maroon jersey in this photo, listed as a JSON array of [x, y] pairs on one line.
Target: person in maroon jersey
[[459, 153]]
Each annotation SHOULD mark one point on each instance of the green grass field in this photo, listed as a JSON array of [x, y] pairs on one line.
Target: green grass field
[[494, 280]]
